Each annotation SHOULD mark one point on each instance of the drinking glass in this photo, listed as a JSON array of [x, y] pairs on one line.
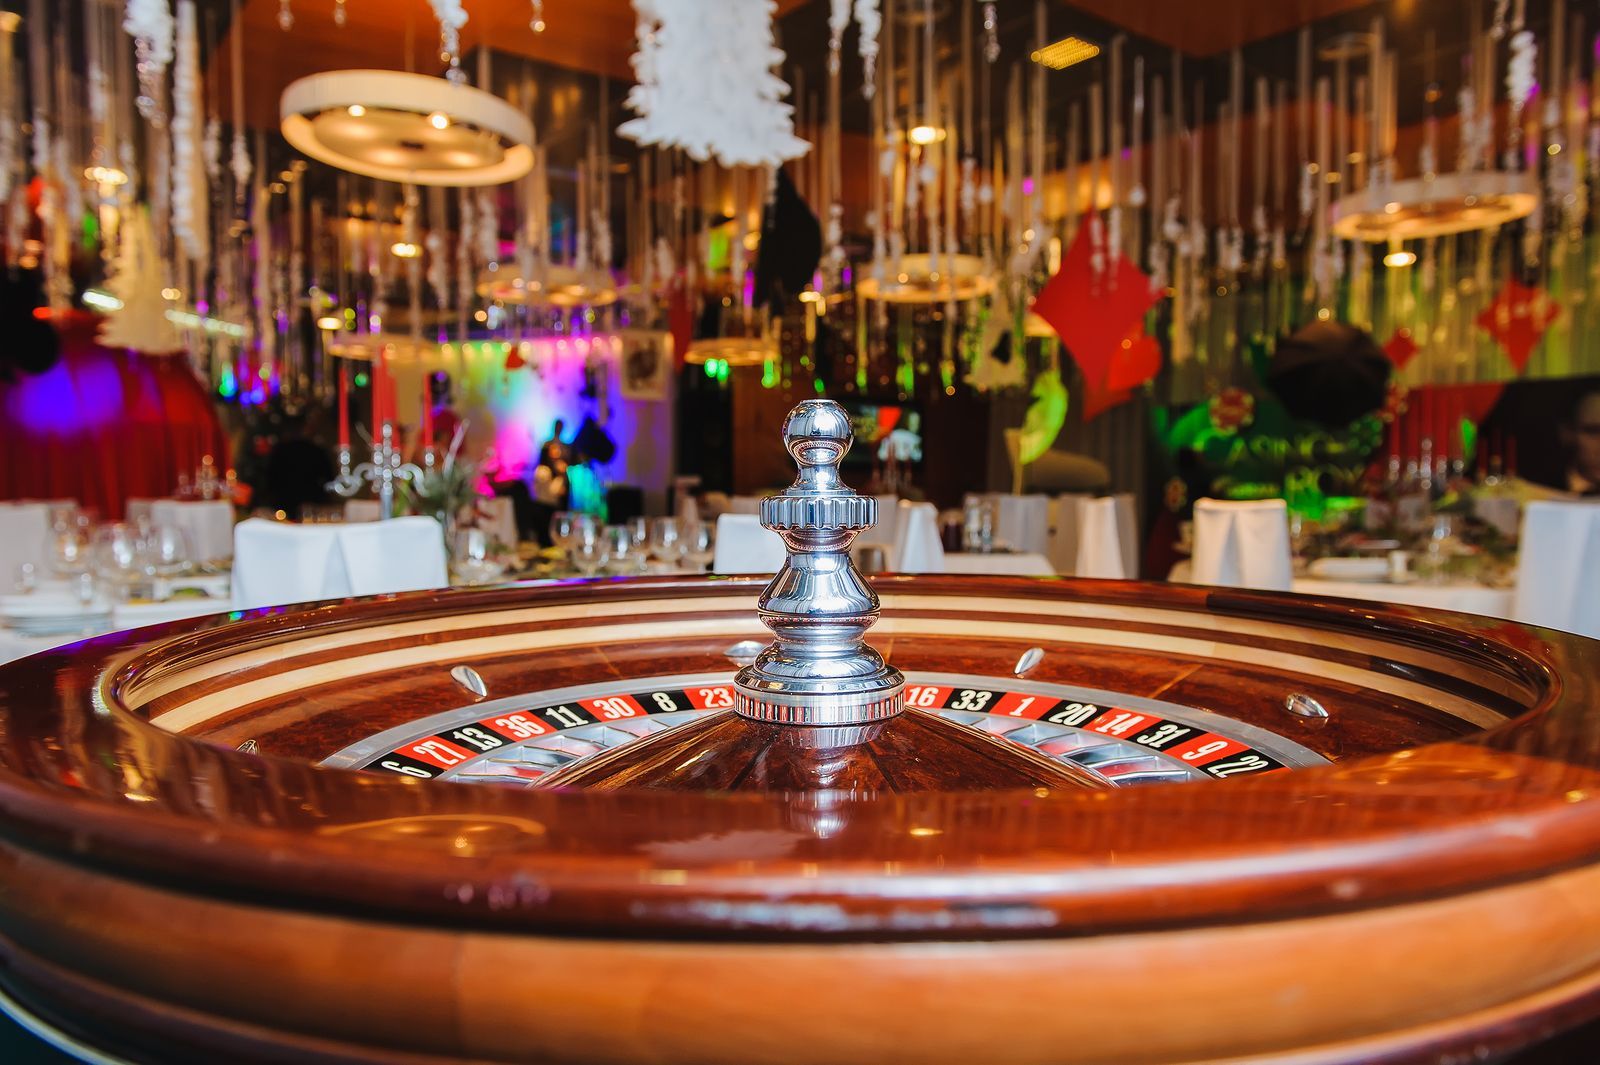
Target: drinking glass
[[120, 556], [588, 547], [27, 578], [666, 541], [699, 541], [168, 551], [67, 549], [622, 554], [561, 524]]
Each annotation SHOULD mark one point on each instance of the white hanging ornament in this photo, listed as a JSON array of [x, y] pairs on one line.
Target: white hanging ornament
[[536, 23], [189, 198], [149, 23], [240, 163], [706, 83], [211, 150], [285, 16], [869, 22], [452, 16], [991, 33], [339, 14]]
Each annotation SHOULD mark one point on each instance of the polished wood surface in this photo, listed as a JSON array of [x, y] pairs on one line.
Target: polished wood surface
[[912, 752], [263, 902]]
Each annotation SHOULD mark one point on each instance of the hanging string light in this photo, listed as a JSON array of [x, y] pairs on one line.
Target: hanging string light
[[285, 16], [452, 16], [338, 13], [537, 23]]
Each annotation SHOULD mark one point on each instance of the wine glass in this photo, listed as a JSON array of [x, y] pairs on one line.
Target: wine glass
[[168, 551], [561, 525], [67, 549], [119, 556], [588, 547], [666, 541], [622, 554], [474, 560], [699, 540], [27, 578]]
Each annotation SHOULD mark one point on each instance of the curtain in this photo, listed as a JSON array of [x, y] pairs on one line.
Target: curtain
[[104, 425]]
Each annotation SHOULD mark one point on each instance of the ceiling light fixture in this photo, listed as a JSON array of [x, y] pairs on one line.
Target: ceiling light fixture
[[412, 128], [1067, 52], [404, 249], [1397, 259], [924, 135]]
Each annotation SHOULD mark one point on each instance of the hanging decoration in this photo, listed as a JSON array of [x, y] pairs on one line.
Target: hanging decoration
[[706, 83], [452, 16], [190, 198], [1517, 320], [150, 24]]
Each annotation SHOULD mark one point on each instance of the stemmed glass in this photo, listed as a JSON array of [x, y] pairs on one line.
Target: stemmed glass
[[587, 547], [666, 541], [622, 554], [120, 556], [68, 549], [699, 540], [561, 526], [168, 552]]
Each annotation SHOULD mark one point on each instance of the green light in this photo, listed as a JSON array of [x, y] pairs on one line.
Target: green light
[[722, 371], [711, 368], [820, 389], [362, 379], [769, 374], [265, 373]]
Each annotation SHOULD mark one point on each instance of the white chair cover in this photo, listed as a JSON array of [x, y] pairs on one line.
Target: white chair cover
[[1066, 526], [917, 548], [743, 546], [278, 562], [1128, 532], [24, 537], [1013, 565], [1243, 544], [1101, 551], [1558, 567], [883, 533]]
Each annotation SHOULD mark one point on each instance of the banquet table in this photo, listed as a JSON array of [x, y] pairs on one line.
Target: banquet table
[[14, 644], [1468, 597], [1017, 564]]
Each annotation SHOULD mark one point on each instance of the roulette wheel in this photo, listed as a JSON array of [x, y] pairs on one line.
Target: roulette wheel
[[1016, 821]]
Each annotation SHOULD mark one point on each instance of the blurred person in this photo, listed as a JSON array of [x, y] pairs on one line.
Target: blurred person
[[1580, 436]]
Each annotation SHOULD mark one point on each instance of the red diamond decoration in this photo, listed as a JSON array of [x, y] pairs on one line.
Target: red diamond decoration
[[1136, 360], [1517, 319], [1401, 349], [1093, 311]]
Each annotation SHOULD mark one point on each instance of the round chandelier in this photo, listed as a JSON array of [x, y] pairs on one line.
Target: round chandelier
[[1441, 206], [557, 285], [927, 279], [395, 126]]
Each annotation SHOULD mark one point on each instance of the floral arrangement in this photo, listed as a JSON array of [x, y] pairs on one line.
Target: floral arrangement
[[444, 489]]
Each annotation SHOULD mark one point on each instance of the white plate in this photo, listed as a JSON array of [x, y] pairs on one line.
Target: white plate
[[1365, 570]]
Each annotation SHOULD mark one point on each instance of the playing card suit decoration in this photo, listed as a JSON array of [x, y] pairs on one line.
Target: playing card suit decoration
[[1231, 410], [1097, 399], [1401, 349], [1518, 319], [514, 359], [1136, 360], [1094, 311]]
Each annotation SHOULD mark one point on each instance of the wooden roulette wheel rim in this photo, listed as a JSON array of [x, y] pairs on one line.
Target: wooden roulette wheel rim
[[169, 898]]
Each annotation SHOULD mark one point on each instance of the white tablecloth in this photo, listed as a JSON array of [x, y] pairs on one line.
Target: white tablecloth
[[1558, 573], [209, 522], [1468, 598], [743, 546], [1027, 564], [14, 644], [278, 562], [24, 537]]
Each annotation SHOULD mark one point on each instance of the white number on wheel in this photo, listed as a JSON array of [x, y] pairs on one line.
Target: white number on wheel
[[1074, 714], [408, 770], [563, 716], [613, 708], [1206, 750], [1248, 763], [520, 725], [1027, 701], [1164, 734], [971, 700], [922, 696], [716, 698], [663, 701], [478, 738]]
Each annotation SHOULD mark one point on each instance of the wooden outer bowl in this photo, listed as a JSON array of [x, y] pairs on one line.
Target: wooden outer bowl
[[173, 899]]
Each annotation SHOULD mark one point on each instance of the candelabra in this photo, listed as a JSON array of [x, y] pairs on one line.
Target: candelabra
[[382, 472]]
